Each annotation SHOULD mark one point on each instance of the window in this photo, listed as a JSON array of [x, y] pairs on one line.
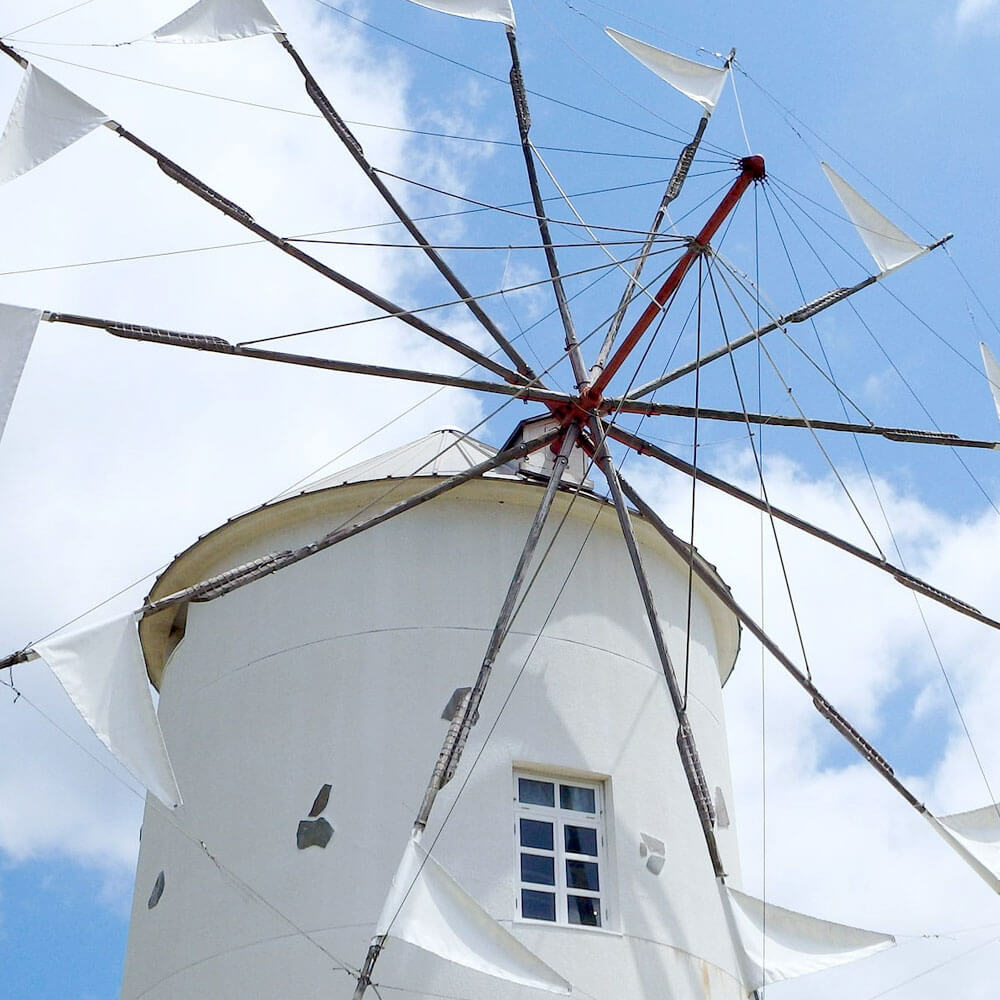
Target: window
[[559, 832]]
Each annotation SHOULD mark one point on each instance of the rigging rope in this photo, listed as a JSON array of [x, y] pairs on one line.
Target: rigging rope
[[694, 483], [611, 154], [42, 20], [812, 430], [509, 625], [451, 302], [141, 796], [526, 215], [303, 236], [895, 544], [739, 111], [397, 484], [760, 477], [502, 80], [610, 82], [763, 588], [895, 367], [788, 112]]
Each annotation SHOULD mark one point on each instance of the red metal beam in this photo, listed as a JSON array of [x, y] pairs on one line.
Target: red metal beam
[[751, 169]]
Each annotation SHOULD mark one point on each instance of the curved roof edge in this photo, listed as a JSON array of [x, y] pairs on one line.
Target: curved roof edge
[[440, 455]]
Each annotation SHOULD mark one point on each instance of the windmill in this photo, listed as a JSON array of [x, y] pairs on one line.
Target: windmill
[[576, 430]]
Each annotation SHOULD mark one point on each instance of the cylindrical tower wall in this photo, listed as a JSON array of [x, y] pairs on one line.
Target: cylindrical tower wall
[[337, 671]]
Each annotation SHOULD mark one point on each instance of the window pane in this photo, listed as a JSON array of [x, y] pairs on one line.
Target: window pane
[[539, 905], [580, 799], [584, 910], [534, 833], [580, 840], [536, 793], [538, 868], [582, 875]]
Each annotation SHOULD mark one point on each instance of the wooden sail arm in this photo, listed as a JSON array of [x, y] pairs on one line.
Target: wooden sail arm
[[798, 315], [907, 434], [216, 345], [240, 215], [240, 576], [353, 146], [520, 98], [821, 703], [681, 169], [643, 447], [751, 170], [687, 748], [468, 711], [245, 219]]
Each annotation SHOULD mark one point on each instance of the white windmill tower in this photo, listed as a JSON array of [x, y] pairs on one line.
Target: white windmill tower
[[575, 831], [570, 821]]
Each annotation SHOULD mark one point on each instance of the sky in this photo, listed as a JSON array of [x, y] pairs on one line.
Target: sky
[[117, 455]]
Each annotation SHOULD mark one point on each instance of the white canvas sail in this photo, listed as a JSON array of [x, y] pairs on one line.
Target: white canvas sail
[[17, 331], [428, 908], [975, 836], [992, 367], [103, 671], [45, 119], [693, 79], [479, 10], [886, 242], [219, 21], [779, 944]]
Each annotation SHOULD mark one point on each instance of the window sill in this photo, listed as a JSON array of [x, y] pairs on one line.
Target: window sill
[[574, 928]]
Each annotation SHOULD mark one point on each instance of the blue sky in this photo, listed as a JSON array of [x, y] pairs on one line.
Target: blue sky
[[903, 94]]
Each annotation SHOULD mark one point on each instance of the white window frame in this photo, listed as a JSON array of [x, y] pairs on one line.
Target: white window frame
[[560, 818]]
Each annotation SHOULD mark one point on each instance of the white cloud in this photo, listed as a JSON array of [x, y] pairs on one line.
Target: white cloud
[[840, 843], [972, 12], [119, 454]]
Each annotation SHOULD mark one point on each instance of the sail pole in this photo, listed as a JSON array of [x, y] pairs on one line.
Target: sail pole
[[690, 760], [820, 702], [216, 345], [239, 576], [681, 169], [906, 434], [798, 315], [449, 758], [643, 447], [668, 68], [240, 215], [353, 146], [520, 96], [468, 712]]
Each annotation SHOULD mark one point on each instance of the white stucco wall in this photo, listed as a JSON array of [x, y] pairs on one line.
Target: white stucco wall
[[337, 670]]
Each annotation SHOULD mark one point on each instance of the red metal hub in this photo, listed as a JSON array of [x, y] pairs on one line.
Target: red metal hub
[[751, 170]]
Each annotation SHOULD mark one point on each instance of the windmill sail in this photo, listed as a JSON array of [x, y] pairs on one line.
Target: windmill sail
[[103, 671], [45, 119], [992, 367], [975, 836], [428, 908], [219, 21], [478, 10], [886, 242], [693, 79], [17, 331], [781, 944]]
